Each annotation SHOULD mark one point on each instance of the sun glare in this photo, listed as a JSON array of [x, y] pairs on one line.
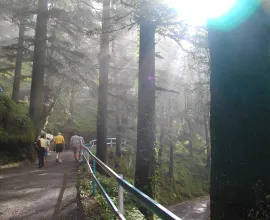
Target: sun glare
[[197, 12]]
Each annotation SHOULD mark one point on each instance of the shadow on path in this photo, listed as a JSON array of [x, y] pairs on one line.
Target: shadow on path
[[31, 193], [197, 209]]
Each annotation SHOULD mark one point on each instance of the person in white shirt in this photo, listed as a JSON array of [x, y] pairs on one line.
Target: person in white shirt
[[75, 144], [82, 143]]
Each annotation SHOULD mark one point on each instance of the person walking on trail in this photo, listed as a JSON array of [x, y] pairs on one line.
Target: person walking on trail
[[47, 148], [82, 143], [59, 142], [76, 143], [41, 149]]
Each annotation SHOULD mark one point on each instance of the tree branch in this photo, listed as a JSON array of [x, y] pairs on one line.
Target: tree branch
[[166, 90]]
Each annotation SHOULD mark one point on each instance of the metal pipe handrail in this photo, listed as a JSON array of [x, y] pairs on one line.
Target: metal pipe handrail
[[145, 200], [107, 198]]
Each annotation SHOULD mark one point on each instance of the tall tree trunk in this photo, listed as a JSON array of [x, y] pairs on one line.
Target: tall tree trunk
[[146, 109], [207, 138], [103, 84], [171, 136], [171, 162], [162, 129], [161, 141], [240, 122], [117, 112], [19, 60], [37, 84], [118, 127], [191, 132], [118, 136]]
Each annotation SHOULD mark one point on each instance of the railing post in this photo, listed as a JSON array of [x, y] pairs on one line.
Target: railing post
[[121, 197], [94, 183]]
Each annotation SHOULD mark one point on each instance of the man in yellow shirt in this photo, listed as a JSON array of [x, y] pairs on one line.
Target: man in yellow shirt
[[59, 142]]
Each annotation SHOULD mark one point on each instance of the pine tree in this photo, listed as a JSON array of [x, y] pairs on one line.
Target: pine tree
[[37, 84]]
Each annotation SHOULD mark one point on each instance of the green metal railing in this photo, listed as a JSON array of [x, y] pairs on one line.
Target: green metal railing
[[145, 200]]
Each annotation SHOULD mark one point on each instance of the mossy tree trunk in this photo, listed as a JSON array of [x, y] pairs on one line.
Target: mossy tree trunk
[[240, 122]]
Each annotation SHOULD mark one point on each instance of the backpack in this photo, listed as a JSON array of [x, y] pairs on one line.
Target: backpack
[[38, 144]]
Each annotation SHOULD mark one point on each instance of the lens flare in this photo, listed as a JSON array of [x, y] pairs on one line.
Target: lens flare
[[197, 12]]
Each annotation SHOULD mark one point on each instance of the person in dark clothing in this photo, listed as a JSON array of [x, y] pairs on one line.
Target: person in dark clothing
[[41, 149]]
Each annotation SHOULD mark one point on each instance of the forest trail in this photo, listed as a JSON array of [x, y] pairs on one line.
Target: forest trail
[[48, 193], [31, 193], [196, 209]]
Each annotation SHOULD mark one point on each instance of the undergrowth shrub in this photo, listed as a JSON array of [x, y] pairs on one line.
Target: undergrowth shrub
[[111, 187], [16, 130]]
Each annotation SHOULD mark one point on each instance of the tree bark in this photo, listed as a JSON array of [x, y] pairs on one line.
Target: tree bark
[[207, 139], [162, 129], [240, 122], [118, 127], [118, 138], [191, 132], [37, 84], [161, 141], [117, 112], [171, 137], [171, 162], [146, 109], [103, 84], [19, 60]]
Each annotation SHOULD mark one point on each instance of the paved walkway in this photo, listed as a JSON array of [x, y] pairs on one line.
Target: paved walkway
[[197, 209], [49, 193], [34, 194]]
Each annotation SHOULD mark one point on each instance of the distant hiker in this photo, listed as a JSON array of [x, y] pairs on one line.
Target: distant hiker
[[82, 143], [76, 143], [59, 142], [41, 143], [48, 143]]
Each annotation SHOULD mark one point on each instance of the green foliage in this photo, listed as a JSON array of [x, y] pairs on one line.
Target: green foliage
[[190, 180], [16, 130], [103, 211], [111, 187]]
